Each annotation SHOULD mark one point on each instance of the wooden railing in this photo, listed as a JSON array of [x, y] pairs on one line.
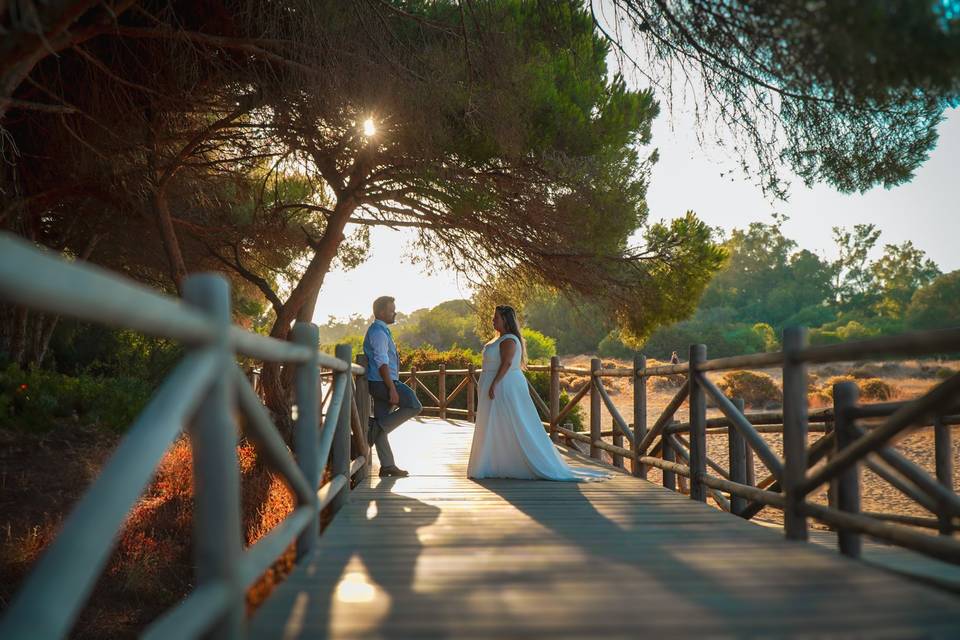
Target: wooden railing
[[205, 389], [833, 459], [202, 394]]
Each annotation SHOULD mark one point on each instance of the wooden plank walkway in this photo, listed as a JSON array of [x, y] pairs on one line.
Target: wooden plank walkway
[[437, 555]]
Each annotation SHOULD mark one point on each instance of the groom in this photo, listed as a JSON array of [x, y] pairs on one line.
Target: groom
[[383, 367]]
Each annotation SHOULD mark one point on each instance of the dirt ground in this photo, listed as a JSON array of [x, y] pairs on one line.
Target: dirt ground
[[908, 378]]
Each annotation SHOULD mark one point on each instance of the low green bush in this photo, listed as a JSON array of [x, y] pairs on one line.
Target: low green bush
[[40, 400]]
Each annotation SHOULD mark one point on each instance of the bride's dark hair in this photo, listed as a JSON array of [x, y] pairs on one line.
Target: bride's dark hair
[[513, 326]]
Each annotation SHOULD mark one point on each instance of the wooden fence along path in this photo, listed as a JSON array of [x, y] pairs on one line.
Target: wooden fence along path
[[437, 554]]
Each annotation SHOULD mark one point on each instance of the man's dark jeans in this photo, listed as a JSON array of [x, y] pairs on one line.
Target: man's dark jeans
[[388, 419]]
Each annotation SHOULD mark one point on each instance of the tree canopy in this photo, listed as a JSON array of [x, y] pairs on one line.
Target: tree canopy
[[846, 92]]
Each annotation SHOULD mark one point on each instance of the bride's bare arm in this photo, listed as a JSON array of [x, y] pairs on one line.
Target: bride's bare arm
[[507, 349]]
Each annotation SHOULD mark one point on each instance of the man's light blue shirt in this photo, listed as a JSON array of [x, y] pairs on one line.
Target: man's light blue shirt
[[380, 349]]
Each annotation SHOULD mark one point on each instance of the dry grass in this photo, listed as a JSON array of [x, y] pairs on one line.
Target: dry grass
[[151, 567]]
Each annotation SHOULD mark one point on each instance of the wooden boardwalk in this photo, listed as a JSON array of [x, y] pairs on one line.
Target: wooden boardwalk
[[439, 556]]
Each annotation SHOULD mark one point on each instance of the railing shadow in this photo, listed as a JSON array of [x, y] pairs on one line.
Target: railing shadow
[[679, 569], [352, 568]]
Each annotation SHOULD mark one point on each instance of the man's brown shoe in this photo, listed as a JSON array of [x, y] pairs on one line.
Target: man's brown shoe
[[393, 472]]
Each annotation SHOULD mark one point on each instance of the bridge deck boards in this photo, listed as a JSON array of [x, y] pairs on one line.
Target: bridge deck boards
[[437, 555]]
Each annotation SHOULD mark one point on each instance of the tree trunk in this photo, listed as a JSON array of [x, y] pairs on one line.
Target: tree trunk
[[276, 380], [18, 336], [178, 270]]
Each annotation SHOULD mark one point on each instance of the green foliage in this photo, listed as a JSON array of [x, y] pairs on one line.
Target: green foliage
[[41, 400], [769, 336], [848, 93], [757, 389], [613, 346], [539, 346], [335, 331], [427, 358], [853, 278], [85, 349], [715, 327], [899, 273], [446, 326], [354, 340], [936, 306], [852, 330], [764, 279], [577, 325]]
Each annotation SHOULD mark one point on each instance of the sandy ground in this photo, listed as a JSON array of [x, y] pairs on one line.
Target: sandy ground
[[909, 378]]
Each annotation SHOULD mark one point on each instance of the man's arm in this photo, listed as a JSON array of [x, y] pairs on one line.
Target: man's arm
[[388, 380], [381, 360]]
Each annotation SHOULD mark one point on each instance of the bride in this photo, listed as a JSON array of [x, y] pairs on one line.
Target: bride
[[509, 440]]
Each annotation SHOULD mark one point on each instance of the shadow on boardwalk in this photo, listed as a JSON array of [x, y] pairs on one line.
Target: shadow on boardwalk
[[354, 583]]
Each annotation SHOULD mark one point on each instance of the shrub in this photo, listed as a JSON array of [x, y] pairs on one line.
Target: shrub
[[870, 388], [354, 340], [40, 400], [876, 389], [944, 372], [539, 346], [826, 389], [756, 389], [427, 358], [669, 382]]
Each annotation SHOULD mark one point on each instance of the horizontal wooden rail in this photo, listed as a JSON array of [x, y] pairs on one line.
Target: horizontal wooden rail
[[876, 438]]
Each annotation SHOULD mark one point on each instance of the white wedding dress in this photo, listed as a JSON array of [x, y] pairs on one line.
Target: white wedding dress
[[509, 440]]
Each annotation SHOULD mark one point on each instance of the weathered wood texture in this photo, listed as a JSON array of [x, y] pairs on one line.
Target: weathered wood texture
[[437, 555]]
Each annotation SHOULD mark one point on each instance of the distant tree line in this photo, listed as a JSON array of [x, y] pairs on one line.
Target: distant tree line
[[767, 283]]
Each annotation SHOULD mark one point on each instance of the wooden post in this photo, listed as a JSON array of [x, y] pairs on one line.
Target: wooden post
[[669, 455], [737, 456], [698, 425], [943, 454], [751, 476], [217, 535], [639, 412], [617, 442], [471, 393], [554, 397], [340, 449], [832, 486], [794, 432], [594, 408], [442, 391], [365, 411], [306, 429], [413, 379], [845, 396]]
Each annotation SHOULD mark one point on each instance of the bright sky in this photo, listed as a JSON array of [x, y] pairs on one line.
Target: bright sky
[[926, 211]]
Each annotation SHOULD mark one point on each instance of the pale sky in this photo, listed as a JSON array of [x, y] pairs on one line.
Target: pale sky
[[925, 210]]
